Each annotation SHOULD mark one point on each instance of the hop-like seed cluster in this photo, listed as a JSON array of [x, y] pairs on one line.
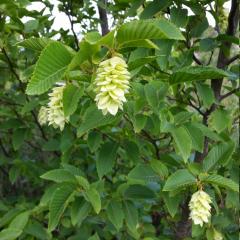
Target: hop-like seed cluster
[[112, 82], [217, 235], [43, 115], [55, 108], [200, 207]]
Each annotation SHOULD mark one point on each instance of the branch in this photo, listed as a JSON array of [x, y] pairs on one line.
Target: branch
[[216, 84], [103, 17], [68, 9], [232, 59], [11, 66], [197, 60], [229, 93]]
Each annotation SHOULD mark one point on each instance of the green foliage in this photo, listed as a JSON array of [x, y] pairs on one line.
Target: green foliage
[[128, 176]]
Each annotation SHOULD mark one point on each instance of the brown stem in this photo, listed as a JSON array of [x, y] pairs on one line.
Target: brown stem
[[103, 17], [12, 69]]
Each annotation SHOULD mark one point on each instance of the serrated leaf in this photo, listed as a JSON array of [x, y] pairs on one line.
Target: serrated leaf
[[183, 142], [93, 118], [179, 16], [222, 182], [139, 192], [159, 168], [142, 174], [154, 7], [132, 151], [205, 94], [94, 237], [20, 221], [220, 119], [196, 73], [37, 230], [18, 138], [49, 68], [106, 158], [172, 203], [59, 176], [115, 214], [94, 140], [71, 96], [181, 178], [145, 43], [10, 234], [7, 217], [218, 155], [79, 211], [37, 44], [196, 136], [58, 204], [93, 197], [131, 216], [148, 29]]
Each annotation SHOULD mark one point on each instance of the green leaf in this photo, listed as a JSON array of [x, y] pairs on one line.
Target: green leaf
[[83, 182], [140, 62], [37, 230], [58, 204], [196, 136], [94, 237], [37, 44], [218, 155], [18, 138], [148, 29], [154, 7], [196, 73], [49, 68], [179, 16], [172, 203], [79, 211], [131, 217], [71, 96], [206, 94], [180, 179], [20, 221], [132, 151], [6, 218], [93, 197], [183, 142], [145, 43], [85, 53], [142, 174], [115, 214], [159, 168], [220, 119], [93, 118], [222, 182], [106, 158], [10, 234], [139, 192], [139, 122], [94, 140], [59, 176]]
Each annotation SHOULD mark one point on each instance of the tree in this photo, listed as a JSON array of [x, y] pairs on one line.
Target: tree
[[130, 132]]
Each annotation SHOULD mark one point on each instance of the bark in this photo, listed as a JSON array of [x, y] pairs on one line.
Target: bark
[[222, 63], [103, 17]]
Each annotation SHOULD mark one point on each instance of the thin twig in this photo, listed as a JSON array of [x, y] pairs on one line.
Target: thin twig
[[232, 59], [229, 93]]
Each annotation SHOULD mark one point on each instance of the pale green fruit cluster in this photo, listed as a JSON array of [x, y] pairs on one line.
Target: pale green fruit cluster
[[53, 114], [43, 115], [112, 83], [200, 207], [56, 115]]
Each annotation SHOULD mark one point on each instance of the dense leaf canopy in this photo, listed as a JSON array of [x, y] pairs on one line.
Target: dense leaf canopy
[[107, 129]]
